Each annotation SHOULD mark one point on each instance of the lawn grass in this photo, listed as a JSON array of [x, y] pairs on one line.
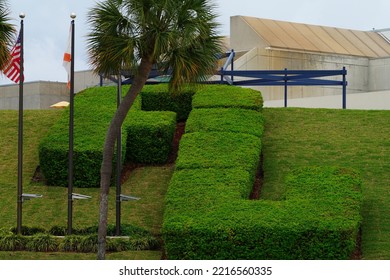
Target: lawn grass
[[149, 183], [347, 138]]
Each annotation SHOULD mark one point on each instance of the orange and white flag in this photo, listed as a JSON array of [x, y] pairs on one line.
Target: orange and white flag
[[68, 55]]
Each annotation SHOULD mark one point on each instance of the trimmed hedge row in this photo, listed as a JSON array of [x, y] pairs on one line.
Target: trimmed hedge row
[[83, 240], [224, 96], [207, 216], [226, 120], [158, 98], [219, 150], [216, 165], [149, 136], [143, 132]]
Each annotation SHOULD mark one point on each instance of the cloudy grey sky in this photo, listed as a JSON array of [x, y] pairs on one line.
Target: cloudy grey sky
[[47, 25]]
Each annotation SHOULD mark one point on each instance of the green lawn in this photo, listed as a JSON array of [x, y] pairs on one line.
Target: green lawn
[[349, 138], [293, 138]]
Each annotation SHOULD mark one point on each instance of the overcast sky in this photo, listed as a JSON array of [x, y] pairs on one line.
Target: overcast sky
[[47, 25]]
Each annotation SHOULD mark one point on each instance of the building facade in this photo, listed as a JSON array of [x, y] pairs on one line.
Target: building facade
[[266, 44]]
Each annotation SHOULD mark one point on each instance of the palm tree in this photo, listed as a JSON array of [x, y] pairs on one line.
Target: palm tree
[[6, 33], [176, 36]]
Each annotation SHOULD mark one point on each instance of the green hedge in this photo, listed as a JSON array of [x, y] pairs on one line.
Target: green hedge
[[219, 150], [146, 137], [149, 136], [158, 98], [93, 112], [94, 109], [207, 216], [226, 120], [224, 96]]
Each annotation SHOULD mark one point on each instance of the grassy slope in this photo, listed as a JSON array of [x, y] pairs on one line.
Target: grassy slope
[[357, 139], [52, 208], [293, 137]]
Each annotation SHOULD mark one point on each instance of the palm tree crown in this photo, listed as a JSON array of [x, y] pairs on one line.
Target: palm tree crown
[[6, 33], [180, 36]]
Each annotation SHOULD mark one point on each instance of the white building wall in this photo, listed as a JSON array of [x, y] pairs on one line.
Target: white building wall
[[86, 79], [36, 95], [379, 74], [42, 94]]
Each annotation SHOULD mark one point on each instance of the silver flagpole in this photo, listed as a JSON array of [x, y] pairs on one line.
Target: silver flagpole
[[20, 130], [71, 125]]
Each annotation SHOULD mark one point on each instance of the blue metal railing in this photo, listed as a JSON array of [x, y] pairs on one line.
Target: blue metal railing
[[284, 78], [272, 77]]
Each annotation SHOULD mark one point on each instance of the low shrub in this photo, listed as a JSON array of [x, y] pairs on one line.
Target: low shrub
[[158, 98], [88, 243], [139, 243], [222, 225], [25, 230], [12, 242], [82, 240], [149, 136], [42, 242], [70, 243], [118, 244], [224, 96]]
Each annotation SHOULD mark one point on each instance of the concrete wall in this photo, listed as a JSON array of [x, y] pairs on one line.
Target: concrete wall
[[86, 79], [273, 59], [41, 94], [36, 95], [379, 74]]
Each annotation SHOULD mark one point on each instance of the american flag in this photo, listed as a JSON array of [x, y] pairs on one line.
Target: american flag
[[12, 69]]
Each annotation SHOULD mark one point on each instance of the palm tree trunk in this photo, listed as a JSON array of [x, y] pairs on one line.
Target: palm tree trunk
[[109, 146]]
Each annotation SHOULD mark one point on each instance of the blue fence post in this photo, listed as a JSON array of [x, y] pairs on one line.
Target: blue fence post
[[344, 88], [221, 75], [285, 87], [232, 65]]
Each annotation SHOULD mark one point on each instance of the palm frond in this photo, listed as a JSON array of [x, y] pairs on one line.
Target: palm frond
[[7, 33], [179, 36]]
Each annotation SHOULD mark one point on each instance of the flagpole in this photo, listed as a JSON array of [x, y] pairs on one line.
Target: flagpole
[[71, 126], [20, 130], [118, 164]]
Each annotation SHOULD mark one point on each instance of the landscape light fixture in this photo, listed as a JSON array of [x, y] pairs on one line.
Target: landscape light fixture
[[128, 197], [80, 196], [28, 196]]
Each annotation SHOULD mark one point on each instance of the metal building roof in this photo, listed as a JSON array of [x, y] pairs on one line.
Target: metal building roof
[[314, 38]]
